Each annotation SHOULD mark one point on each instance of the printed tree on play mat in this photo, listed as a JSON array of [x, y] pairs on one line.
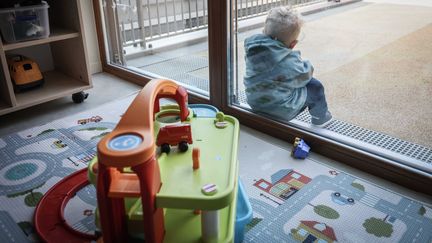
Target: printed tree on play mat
[[422, 211], [32, 199], [325, 211], [93, 129], [96, 129], [46, 131], [252, 224], [378, 227], [358, 186]]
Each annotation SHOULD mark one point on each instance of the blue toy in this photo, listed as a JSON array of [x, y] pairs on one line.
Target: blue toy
[[301, 149], [244, 213]]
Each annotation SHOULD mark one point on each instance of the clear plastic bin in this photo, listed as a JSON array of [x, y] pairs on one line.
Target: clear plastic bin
[[24, 23]]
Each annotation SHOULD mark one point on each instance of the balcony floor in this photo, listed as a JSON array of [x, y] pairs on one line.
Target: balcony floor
[[374, 78]]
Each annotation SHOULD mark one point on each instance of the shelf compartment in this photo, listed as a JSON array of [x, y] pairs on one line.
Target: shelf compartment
[[56, 85], [56, 35], [4, 105]]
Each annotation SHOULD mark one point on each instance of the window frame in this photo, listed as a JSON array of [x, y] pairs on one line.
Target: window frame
[[220, 30]]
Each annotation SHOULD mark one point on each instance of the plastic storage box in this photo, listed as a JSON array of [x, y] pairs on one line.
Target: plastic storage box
[[24, 23], [244, 213]]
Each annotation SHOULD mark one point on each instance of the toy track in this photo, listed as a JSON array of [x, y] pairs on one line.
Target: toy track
[[49, 218]]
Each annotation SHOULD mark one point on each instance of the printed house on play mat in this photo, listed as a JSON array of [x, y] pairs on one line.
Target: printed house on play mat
[[284, 183], [313, 231]]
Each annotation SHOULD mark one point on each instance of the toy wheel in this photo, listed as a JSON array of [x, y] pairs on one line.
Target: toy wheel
[[183, 146], [350, 200], [79, 97], [337, 194], [165, 148]]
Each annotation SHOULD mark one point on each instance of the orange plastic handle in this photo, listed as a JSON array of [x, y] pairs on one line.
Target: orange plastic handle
[[138, 121]]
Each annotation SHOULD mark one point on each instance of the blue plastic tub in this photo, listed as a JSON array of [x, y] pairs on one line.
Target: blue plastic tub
[[203, 110], [244, 213]]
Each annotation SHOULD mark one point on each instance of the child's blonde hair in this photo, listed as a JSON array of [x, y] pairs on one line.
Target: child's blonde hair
[[283, 23]]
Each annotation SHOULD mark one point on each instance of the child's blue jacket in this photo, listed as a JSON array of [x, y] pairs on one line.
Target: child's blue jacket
[[275, 77]]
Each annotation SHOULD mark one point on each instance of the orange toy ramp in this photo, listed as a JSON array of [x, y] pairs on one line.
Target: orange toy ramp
[[49, 218]]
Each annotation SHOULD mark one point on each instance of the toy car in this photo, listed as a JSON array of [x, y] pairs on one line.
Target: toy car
[[58, 144], [25, 73], [301, 149], [172, 135], [88, 120], [341, 199]]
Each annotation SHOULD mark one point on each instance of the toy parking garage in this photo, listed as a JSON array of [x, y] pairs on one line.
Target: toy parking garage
[[182, 195]]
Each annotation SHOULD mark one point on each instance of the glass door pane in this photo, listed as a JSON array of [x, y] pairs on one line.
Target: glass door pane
[[373, 59], [160, 39]]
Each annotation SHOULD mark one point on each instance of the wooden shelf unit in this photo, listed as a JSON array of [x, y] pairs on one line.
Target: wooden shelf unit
[[66, 51]]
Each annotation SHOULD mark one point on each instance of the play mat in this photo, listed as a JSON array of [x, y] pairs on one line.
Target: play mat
[[292, 200]]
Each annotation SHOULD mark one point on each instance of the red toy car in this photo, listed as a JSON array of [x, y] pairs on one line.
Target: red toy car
[[179, 134]]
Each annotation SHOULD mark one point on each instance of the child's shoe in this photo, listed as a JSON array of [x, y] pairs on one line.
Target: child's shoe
[[322, 122]]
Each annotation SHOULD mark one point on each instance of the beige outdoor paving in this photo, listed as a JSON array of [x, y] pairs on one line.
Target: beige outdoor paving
[[389, 89], [379, 73]]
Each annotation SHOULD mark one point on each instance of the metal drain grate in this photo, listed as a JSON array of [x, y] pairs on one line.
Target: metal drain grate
[[417, 152], [384, 141], [176, 66], [188, 70], [192, 80]]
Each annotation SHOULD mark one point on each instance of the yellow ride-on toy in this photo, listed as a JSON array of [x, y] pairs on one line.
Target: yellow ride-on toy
[[25, 73]]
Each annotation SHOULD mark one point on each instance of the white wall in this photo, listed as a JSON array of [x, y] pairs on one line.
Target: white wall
[[91, 36]]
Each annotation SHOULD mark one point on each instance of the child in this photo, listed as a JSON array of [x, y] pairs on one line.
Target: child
[[278, 82]]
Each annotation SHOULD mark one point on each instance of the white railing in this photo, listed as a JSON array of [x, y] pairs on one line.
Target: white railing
[[141, 21]]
